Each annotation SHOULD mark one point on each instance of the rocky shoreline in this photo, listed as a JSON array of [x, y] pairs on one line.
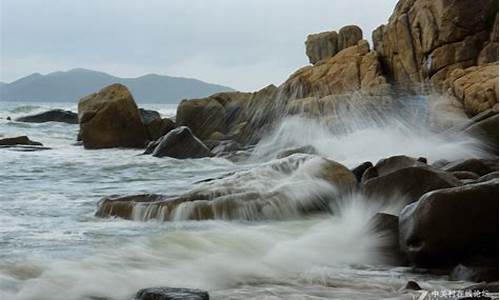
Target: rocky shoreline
[[448, 219]]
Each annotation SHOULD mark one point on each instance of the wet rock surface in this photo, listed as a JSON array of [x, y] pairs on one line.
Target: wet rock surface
[[55, 115], [168, 293], [407, 185], [448, 225], [242, 196], [178, 143]]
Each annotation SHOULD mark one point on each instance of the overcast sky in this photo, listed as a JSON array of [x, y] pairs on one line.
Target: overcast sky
[[245, 44]]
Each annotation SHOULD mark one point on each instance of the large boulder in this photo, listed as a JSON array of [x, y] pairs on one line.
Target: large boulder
[[179, 143], [449, 225], [169, 293], [324, 45], [426, 39], [54, 115], [203, 116], [407, 185], [110, 118]]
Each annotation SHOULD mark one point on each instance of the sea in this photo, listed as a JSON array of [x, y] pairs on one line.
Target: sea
[[53, 247]]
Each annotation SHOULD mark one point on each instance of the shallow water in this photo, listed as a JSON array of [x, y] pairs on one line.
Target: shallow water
[[52, 246]]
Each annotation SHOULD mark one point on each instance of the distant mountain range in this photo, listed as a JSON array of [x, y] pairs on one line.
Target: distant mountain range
[[72, 85]]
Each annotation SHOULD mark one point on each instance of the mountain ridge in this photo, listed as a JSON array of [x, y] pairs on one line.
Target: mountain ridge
[[72, 85]]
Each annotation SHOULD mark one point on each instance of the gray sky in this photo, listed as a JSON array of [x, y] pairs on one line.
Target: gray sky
[[245, 44]]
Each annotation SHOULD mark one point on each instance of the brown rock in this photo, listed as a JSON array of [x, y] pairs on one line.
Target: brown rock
[[159, 127], [321, 45], [349, 36], [236, 115], [327, 44], [476, 87], [351, 69], [427, 39], [110, 118], [203, 116]]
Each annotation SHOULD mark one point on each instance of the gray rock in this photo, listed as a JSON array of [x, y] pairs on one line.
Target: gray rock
[[465, 175], [449, 225], [478, 166], [168, 293], [386, 228], [55, 115], [487, 130], [180, 143], [148, 116], [308, 149], [360, 170]]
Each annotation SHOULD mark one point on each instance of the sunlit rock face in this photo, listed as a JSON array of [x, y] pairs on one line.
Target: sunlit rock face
[[427, 39], [110, 118]]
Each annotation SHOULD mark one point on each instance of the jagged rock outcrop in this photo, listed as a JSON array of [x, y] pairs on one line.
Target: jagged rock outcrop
[[353, 69], [110, 118], [324, 45], [54, 115], [427, 39], [490, 51], [475, 87]]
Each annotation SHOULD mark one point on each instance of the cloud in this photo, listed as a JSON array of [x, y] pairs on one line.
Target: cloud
[[245, 44]]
